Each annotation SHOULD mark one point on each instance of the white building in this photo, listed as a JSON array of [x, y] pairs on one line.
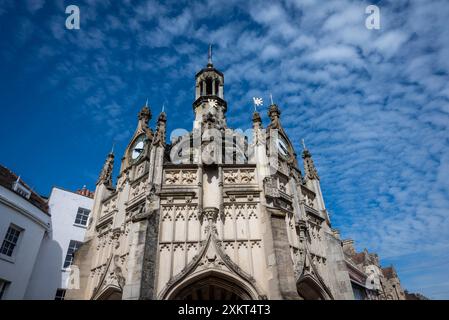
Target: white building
[[70, 213], [25, 232], [38, 238]]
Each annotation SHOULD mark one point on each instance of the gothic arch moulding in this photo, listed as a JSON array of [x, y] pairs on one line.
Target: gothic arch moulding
[[212, 267], [212, 285], [109, 293], [310, 289]]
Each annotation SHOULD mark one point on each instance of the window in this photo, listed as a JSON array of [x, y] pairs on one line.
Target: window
[[3, 285], [359, 292], [208, 86], [73, 246], [82, 216], [20, 189], [60, 294], [10, 241]]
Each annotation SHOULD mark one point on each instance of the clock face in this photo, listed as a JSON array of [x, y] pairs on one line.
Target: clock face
[[282, 146], [137, 148]]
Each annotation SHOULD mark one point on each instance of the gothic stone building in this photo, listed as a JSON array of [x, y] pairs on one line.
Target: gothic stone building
[[216, 214]]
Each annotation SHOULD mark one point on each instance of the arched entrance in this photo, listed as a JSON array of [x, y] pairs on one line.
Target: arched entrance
[[110, 294], [308, 289], [211, 287]]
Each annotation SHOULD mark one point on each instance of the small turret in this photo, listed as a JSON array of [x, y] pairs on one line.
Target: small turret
[[309, 167], [159, 137], [106, 173]]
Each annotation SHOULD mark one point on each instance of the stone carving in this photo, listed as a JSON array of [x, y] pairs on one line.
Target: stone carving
[[181, 177], [140, 170], [274, 114], [139, 188], [171, 177], [106, 173], [122, 181], [210, 214], [246, 176], [188, 177], [282, 186], [231, 176], [159, 137], [235, 176], [309, 166], [270, 187]]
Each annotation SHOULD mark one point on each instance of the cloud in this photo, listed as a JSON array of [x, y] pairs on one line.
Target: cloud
[[34, 5], [373, 105]]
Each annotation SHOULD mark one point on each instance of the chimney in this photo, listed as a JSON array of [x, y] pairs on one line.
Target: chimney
[[85, 192]]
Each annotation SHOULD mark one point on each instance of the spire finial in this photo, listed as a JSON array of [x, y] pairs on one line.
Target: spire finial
[[209, 60], [271, 98], [146, 103], [112, 150], [163, 107], [303, 144]]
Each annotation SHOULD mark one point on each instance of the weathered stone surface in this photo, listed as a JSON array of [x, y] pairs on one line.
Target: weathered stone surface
[[149, 268], [200, 220]]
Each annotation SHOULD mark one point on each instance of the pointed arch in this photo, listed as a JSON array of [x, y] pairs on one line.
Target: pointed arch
[[212, 285], [109, 293], [310, 289], [228, 272]]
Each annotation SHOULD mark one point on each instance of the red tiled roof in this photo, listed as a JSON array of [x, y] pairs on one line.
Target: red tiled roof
[[389, 272], [358, 258], [7, 179]]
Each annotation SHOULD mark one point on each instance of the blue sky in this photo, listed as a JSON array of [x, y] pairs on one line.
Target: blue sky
[[372, 105]]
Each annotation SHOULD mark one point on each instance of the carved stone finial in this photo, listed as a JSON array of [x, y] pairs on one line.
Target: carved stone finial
[[145, 114], [309, 166], [274, 113], [159, 137], [106, 173], [257, 118]]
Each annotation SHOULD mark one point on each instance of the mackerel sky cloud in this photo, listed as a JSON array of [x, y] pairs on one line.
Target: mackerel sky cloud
[[372, 105]]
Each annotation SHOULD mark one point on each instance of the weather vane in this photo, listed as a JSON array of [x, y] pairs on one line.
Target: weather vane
[[257, 103]]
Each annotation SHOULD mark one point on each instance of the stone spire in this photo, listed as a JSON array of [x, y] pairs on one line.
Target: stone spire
[[257, 120], [159, 137], [209, 60], [274, 113], [106, 173], [309, 167], [144, 115]]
